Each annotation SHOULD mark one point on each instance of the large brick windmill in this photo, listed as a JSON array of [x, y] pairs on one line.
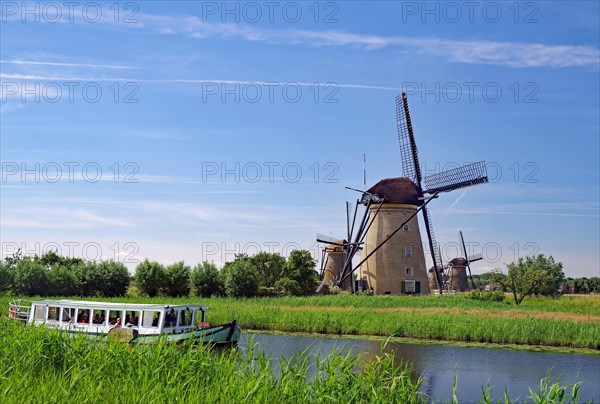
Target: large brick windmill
[[393, 257]]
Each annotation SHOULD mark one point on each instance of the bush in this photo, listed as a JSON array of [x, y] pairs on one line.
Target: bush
[[288, 287], [300, 267], [241, 279], [63, 281], [5, 277], [150, 278], [114, 278], [488, 296], [30, 278], [177, 280], [206, 281]]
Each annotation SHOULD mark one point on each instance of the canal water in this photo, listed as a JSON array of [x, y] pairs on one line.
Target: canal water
[[473, 367]]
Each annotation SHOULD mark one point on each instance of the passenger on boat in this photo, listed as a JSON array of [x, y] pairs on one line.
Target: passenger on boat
[[170, 319]]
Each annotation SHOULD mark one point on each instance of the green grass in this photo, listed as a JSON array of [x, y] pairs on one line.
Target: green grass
[[42, 365], [570, 322]]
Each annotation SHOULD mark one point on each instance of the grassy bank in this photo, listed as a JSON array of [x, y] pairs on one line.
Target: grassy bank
[[42, 365], [571, 321]]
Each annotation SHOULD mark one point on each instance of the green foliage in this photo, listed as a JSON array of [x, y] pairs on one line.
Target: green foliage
[[177, 280], [300, 267], [582, 285], [87, 278], [480, 281], [487, 296], [206, 280], [30, 278], [63, 280], [241, 278], [270, 268], [45, 365], [288, 287], [54, 275], [5, 277], [538, 275], [114, 278], [150, 278]]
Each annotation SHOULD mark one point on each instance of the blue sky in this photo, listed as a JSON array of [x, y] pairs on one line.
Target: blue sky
[[195, 130]]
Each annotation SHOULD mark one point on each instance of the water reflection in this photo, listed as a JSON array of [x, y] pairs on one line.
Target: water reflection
[[437, 364]]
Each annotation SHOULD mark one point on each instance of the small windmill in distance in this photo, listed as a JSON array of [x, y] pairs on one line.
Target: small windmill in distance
[[457, 268]]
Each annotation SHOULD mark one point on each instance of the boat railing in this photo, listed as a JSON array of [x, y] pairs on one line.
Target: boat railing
[[19, 310]]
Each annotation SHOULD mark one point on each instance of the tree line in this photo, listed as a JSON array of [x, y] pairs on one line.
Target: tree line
[[263, 274]]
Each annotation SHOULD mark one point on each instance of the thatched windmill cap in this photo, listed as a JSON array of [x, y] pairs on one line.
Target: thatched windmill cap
[[461, 262], [398, 190]]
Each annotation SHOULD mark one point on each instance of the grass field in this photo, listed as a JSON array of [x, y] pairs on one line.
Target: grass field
[[42, 365], [571, 321]]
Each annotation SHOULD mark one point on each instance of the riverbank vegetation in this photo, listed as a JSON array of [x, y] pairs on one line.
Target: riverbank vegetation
[[569, 321], [43, 365]]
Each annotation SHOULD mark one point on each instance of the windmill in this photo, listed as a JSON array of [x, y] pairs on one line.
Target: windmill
[[337, 255], [396, 265], [458, 266]]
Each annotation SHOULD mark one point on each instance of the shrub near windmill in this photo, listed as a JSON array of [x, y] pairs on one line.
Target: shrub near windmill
[[393, 258]]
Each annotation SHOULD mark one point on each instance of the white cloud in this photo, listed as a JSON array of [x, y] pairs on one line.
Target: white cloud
[[62, 64], [509, 54]]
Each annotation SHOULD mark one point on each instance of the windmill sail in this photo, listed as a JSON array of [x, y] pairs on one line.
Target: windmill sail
[[435, 253], [461, 177], [408, 147]]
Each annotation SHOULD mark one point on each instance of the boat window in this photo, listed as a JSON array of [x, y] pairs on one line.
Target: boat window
[[40, 312], [83, 316], [132, 317], [170, 318], [150, 318], [185, 317], [53, 313], [113, 315], [68, 314], [99, 317]]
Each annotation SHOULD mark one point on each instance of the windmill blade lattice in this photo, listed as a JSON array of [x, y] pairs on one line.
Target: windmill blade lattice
[[460, 177], [435, 252], [408, 147]]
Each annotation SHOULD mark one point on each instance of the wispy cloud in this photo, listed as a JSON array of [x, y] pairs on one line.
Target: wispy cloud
[[62, 64], [37, 77], [58, 218], [501, 53], [456, 201]]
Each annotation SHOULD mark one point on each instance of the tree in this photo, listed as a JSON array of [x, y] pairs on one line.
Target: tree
[[289, 287], [594, 284], [30, 278], [177, 282], [300, 267], [532, 275], [270, 268], [88, 281], [206, 280], [241, 278], [63, 281], [5, 277], [553, 275], [113, 278], [150, 277]]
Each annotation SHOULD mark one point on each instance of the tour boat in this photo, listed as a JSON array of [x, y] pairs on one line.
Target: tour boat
[[133, 323]]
